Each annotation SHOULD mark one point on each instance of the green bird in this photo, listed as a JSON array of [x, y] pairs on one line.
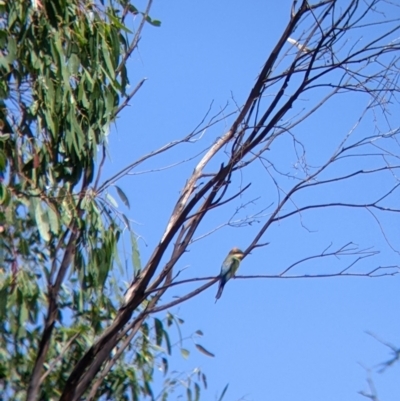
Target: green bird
[[229, 268]]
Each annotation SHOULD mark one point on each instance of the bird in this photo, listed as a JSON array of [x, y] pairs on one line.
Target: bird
[[229, 268]]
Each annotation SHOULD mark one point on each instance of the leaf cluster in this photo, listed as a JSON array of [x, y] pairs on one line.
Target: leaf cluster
[[63, 80]]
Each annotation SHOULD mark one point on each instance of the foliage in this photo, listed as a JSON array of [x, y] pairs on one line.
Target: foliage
[[66, 329], [372, 393], [64, 79]]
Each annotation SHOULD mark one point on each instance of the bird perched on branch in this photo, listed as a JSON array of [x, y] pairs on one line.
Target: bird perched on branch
[[229, 268]]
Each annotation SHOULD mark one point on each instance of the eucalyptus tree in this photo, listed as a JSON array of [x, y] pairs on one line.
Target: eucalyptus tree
[[67, 328]]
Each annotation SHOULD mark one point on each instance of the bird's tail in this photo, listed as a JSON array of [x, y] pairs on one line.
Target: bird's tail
[[220, 289]]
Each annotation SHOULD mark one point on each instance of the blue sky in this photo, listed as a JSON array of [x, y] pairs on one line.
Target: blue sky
[[274, 339]]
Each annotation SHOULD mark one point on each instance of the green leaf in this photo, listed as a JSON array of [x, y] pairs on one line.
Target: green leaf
[[133, 9], [12, 49], [112, 200], [3, 301], [126, 221], [42, 221], [82, 93], [189, 394], [148, 390], [164, 362], [158, 326], [170, 319], [78, 138], [108, 63], [185, 353], [204, 380], [5, 197], [123, 197], [223, 393], [153, 22], [137, 265], [22, 319], [104, 265], [12, 17], [53, 220], [204, 351], [197, 392], [118, 24], [73, 64], [110, 104], [167, 341], [50, 94]]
